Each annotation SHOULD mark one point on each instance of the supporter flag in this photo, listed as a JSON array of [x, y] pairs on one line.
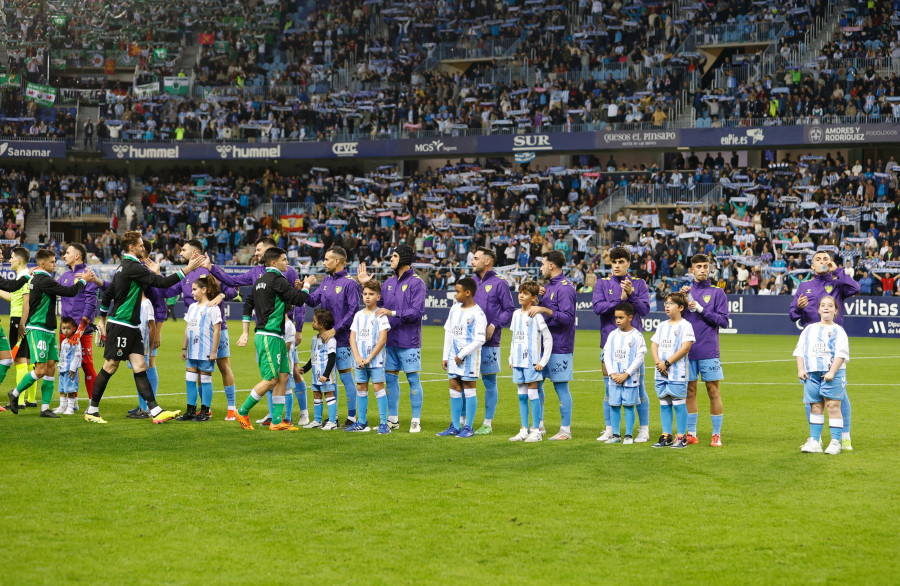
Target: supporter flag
[[207, 38], [109, 67], [221, 46], [10, 80], [133, 49], [59, 20], [44, 95], [292, 223], [523, 158], [146, 90], [160, 54], [176, 86]]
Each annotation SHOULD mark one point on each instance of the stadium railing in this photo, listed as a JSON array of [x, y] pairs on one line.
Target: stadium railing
[[76, 210], [739, 33]]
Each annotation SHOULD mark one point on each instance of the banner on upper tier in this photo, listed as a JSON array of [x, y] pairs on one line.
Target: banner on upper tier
[[24, 149]]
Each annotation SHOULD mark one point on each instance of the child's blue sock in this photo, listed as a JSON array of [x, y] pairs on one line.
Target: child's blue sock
[[206, 389], [392, 384], [606, 420], [615, 418], [416, 393], [456, 406], [541, 397], [523, 405], [362, 407], [191, 379], [665, 417], [142, 403], [643, 408], [716, 424], [846, 412], [331, 403], [536, 411], [300, 394], [681, 416], [629, 419], [153, 377], [816, 423], [229, 396], [692, 423], [349, 392], [317, 410], [836, 426], [269, 401], [471, 405], [565, 403], [289, 406], [382, 400], [491, 395]]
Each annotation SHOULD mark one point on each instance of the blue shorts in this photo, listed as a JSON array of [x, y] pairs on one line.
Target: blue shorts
[[816, 389], [622, 395], [325, 388], [559, 369], [405, 359], [526, 374], [344, 358], [709, 369], [366, 374], [224, 350], [490, 360], [667, 388], [66, 384], [201, 365]]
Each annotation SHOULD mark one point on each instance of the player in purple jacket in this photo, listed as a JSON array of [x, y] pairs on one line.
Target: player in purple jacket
[[82, 308], [403, 302], [183, 288], [558, 308], [827, 279], [341, 295], [707, 312], [495, 300], [608, 293]]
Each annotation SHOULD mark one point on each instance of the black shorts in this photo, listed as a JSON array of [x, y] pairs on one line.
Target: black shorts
[[122, 341], [22, 352]]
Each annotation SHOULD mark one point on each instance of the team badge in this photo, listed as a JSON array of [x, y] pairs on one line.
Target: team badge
[[487, 288], [337, 289], [829, 288], [610, 291], [706, 298], [403, 288], [808, 290]]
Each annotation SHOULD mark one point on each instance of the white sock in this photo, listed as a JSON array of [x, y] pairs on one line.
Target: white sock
[[565, 428], [304, 412], [845, 436], [609, 429], [44, 407], [73, 403], [462, 421], [488, 421], [413, 420], [645, 428], [393, 419], [63, 402], [541, 423], [156, 411], [91, 410]]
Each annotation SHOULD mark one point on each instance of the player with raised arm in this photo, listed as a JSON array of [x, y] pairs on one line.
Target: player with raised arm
[[43, 344], [340, 294], [828, 280], [403, 302], [123, 334], [608, 294], [495, 300], [707, 312], [268, 299], [558, 309]]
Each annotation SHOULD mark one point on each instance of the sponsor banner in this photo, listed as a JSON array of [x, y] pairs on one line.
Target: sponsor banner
[[248, 151], [851, 133], [23, 149], [638, 139], [449, 146], [538, 143], [765, 136]]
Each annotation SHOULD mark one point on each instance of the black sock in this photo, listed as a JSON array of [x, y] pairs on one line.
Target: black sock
[[144, 389], [99, 387]]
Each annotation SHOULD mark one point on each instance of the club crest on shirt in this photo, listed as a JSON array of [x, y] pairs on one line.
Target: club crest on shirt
[[337, 289], [706, 298], [829, 288], [808, 290], [403, 288], [487, 288], [610, 291]]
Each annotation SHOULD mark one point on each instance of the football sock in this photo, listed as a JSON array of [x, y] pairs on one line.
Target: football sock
[[392, 383], [269, 402], [845, 413], [362, 407], [643, 408], [665, 416], [46, 392], [836, 426], [4, 368], [716, 424], [456, 405], [99, 388], [317, 410], [32, 390], [229, 396], [300, 394], [349, 392], [541, 396], [28, 380], [289, 405], [416, 393], [491, 395], [331, 403], [523, 405], [471, 404], [565, 403], [615, 418], [142, 404], [816, 423], [249, 403], [629, 419], [277, 409], [206, 389], [191, 379], [143, 388], [692, 423], [381, 399], [536, 409], [153, 376], [681, 414], [606, 402], [808, 407], [90, 375]]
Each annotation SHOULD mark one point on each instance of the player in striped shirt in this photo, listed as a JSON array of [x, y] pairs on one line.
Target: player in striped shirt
[[203, 328], [464, 335], [822, 355], [368, 337], [529, 353], [669, 348], [322, 360], [623, 357]]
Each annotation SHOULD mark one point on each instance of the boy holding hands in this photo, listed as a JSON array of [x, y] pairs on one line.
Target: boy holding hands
[[669, 347], [623, 358], [368, 336]]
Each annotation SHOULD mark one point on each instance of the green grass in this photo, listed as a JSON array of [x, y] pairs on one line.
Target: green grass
[[131, 502]]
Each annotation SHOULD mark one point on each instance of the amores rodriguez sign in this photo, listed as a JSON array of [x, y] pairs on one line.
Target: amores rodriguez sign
[[852, 133]]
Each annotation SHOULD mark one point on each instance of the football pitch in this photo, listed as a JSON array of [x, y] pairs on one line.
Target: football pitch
[[131, 502]]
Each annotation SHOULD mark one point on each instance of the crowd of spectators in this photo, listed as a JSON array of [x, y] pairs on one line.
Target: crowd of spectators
[[14, 207]]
